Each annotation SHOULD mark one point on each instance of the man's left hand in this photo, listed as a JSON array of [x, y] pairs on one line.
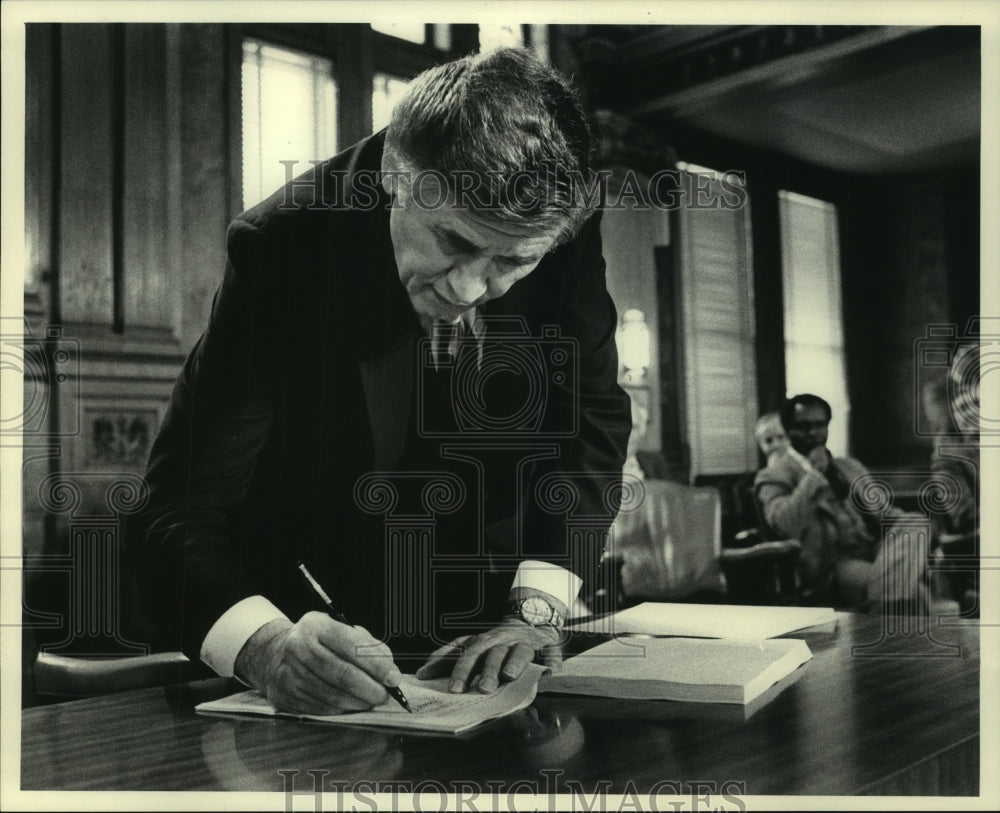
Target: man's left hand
[[500, 654]]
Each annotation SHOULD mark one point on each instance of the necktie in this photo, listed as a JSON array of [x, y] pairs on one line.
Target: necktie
[[444, 342]]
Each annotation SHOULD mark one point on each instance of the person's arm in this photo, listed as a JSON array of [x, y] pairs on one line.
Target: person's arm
[[589, 401], [501, 653], [592, 462], [595, 455], [789, 509], [186, 545], [958, 481]]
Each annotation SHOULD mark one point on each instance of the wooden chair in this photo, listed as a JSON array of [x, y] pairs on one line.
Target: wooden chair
[[669, 547], [955, 562], [760, 567], [75, 676]]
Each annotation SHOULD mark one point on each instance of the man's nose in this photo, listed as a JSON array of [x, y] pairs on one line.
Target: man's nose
[[467, 280]]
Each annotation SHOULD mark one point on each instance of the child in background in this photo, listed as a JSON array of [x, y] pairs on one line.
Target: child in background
[[770, 435]]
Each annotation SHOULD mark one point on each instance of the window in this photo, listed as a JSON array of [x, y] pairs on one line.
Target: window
[[717, 323], [500, 36], [538, 41], [440, 35], [411, 32], [289, 114], [814, 333], [535, 37], [386, 91]]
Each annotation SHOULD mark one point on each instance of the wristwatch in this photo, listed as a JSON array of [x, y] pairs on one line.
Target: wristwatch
[[536, 611]]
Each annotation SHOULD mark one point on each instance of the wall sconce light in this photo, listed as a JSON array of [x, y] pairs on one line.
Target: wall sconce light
[[633, 346]]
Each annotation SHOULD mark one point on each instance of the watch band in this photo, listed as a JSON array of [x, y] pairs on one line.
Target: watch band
[[555, 618]]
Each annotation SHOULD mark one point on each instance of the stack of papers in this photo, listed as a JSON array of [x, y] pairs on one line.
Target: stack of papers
[[686, 669], [734, 622]]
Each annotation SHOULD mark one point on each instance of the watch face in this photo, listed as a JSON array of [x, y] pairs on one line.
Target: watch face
[[536, 610]]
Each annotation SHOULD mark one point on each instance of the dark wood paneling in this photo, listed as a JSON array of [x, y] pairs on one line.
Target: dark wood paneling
[[205, 172], [464, 39], [87, 79], [961, 232], [899, 273], [672, 421], [149, 286], [354, 68], [769, 305], [39, 160]]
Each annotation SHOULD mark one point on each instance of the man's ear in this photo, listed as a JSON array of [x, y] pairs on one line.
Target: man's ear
[[390, 165]]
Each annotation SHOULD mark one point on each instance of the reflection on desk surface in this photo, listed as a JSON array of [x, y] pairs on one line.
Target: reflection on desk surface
[[873, 713]]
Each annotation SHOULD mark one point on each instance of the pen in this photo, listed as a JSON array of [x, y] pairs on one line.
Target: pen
[[394, 691]]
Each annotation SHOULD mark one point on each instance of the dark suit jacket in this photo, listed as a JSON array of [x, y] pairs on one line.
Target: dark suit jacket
[[304, 383]]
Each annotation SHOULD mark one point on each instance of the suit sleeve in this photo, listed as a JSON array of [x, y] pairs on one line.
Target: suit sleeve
[[184, 546], [591, 459]]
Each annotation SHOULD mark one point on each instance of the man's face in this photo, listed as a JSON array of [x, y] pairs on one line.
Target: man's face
[[809, 428], [450, 260]]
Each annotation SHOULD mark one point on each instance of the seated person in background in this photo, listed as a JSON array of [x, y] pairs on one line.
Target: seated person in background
[[955, 462], [805, 493], [770, 435]]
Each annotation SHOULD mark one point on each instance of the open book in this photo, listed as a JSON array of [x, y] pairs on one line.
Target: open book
[[689, 669], [731, 621], [434, 707]]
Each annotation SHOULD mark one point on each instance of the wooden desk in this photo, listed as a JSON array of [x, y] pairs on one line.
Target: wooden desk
[[906, 722]]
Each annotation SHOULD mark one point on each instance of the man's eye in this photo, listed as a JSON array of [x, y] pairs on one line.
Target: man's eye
[[511, 263], [449, 246]]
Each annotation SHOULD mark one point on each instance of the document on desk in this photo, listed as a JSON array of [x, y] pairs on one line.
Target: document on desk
[[731, 621], [686, 669], [434, 707]]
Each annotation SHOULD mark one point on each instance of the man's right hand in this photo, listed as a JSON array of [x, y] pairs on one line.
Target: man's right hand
[[819, 458], [317, 666]]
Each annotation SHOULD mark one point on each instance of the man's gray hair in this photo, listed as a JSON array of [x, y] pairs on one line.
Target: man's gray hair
[[512, 127]]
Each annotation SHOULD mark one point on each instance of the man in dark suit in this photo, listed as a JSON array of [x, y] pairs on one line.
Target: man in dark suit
[[409, 382]]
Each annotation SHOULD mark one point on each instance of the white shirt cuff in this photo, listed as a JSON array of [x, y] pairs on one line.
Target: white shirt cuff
[[233, 629], [549, 578]]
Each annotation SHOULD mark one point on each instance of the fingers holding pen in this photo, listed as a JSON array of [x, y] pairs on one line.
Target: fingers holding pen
[[296, 687], [318, 666], [347, 658]]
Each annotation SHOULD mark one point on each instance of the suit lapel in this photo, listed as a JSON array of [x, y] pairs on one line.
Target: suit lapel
[[387, 377], [385, 332]]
